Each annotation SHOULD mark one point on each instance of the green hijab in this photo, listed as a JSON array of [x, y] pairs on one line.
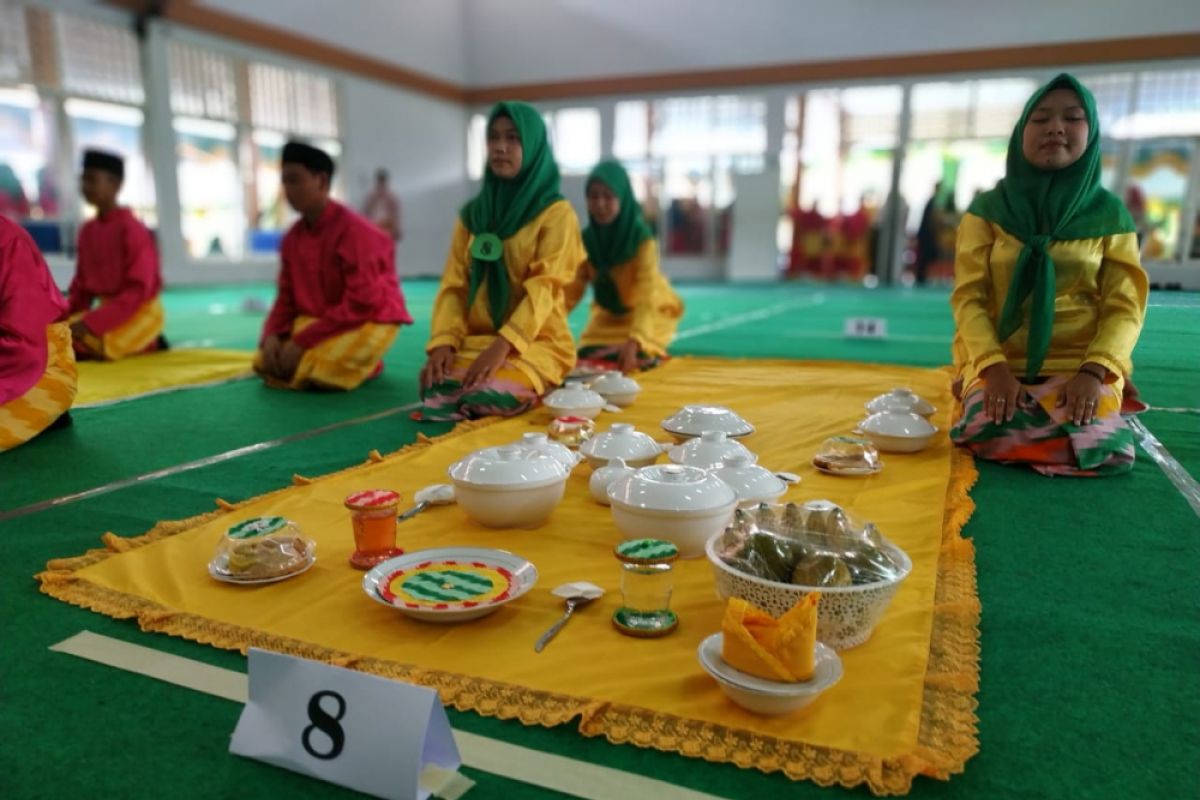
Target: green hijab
[[504, 206], [1044, 206], [615, 243]]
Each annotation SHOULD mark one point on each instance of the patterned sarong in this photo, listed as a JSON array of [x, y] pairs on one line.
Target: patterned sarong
[[1044, 437], [28, 415], [607, 354], [138, 334], [507, 394], [339, 362]]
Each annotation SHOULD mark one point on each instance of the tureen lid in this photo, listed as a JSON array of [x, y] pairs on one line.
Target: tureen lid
[[898, 423], [621, 441], [510, 465], [671, 487]]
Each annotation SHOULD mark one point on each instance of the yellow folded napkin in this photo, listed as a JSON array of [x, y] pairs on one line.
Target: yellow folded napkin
[[776, 649]]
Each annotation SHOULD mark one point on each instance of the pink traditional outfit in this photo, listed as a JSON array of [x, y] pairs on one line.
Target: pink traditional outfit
[[338, 298], [37, 363], [116, 286]]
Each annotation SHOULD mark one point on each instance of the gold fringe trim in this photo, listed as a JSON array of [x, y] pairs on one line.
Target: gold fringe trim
[[947, 738]]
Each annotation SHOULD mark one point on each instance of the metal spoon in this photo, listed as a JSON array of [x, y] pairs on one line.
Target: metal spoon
[[439, 494], [576, 594]]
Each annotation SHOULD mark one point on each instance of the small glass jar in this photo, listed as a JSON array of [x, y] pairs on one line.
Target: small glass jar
[[571, 431], [647, 581], [373, 514]]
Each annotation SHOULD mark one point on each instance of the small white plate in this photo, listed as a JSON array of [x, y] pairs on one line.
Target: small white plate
[[851, 472], [479, 566], [216, 568]]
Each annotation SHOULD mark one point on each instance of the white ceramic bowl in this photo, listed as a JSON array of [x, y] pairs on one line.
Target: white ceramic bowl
[[693, 420], [683, 505], [574, 400], [621, 441], [508, 487], [603, 477], [761, 696], [898, 431], [709, 450], [513, 577], [752, 483], [618, 389], [901, 399], [540, 443]]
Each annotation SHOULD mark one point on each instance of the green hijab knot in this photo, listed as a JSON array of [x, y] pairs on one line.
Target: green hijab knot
[[1041, 207], [504, 206], [616, 243]]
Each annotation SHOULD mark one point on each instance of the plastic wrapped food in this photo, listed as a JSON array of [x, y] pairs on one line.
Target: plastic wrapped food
[[847, 455], [814, 544], [262, 548]]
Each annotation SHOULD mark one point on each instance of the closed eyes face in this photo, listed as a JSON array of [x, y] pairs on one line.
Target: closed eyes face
[[504, 150], [1056, 133]]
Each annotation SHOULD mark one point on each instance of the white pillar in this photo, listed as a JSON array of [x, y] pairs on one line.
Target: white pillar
[[160, 151]]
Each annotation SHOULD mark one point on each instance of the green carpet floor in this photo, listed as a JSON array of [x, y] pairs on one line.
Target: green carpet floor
[[1090, 685]]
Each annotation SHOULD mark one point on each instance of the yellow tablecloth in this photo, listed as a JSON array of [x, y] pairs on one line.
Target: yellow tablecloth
[[906, 703], [102, 382]]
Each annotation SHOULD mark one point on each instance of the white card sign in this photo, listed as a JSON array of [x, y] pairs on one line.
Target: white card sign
[[356, 730], [865, 328]]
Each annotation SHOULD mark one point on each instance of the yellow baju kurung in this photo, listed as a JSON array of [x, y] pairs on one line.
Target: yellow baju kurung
[[654, 307], [541, 259], [1100, 302]]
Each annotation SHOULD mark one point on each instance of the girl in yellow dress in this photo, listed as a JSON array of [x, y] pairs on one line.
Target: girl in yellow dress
[[499, 332], [634, 310], [1049, 299]]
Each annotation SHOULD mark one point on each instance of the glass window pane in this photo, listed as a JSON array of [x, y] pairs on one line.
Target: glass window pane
[[271, 216], [631, 129], [476, 146], [1168, 104], [300, 103], [99, 60], [1114, 94], [210, 188], [941, 110], [577, 139], [15, 66], [203, 83], [29, 187], [117, 129], [1158, 181]]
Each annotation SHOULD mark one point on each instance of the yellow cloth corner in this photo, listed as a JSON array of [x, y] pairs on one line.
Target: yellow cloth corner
[[867, 729], [105, 382]]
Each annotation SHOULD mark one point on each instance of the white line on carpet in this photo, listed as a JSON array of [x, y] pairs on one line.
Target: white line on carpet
[[1184, 482], [546, 770], [751, 316], [891, 337], [187, 466]]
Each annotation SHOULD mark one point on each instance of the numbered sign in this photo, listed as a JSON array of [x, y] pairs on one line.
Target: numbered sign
[[866, 328], [356, 730]]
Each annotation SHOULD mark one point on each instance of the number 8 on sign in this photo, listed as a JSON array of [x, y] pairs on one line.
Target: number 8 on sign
[[327, 725]]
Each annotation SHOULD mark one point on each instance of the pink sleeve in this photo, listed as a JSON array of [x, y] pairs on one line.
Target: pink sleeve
[[29, 301], [283, 312], [363, 262], [141, 284]]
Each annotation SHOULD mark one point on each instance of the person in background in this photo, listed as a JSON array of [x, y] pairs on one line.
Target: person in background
[[339, 303], [37, 362], [114, 298], [499, 337], [383, 207], [634, 310], [1049, 300], [810, 230]]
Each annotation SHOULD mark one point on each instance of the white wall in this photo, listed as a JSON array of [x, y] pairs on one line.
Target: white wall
[[422, 144], [421, 35], [534, 41]]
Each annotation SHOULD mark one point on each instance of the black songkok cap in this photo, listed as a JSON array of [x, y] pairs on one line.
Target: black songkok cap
[[314, 159], [105, 161]]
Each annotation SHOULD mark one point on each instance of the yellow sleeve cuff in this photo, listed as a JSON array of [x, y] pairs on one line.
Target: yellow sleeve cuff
[[444, 340], [518, 340]]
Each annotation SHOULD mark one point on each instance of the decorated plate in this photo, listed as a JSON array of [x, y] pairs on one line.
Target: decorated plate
[[450, 584]]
